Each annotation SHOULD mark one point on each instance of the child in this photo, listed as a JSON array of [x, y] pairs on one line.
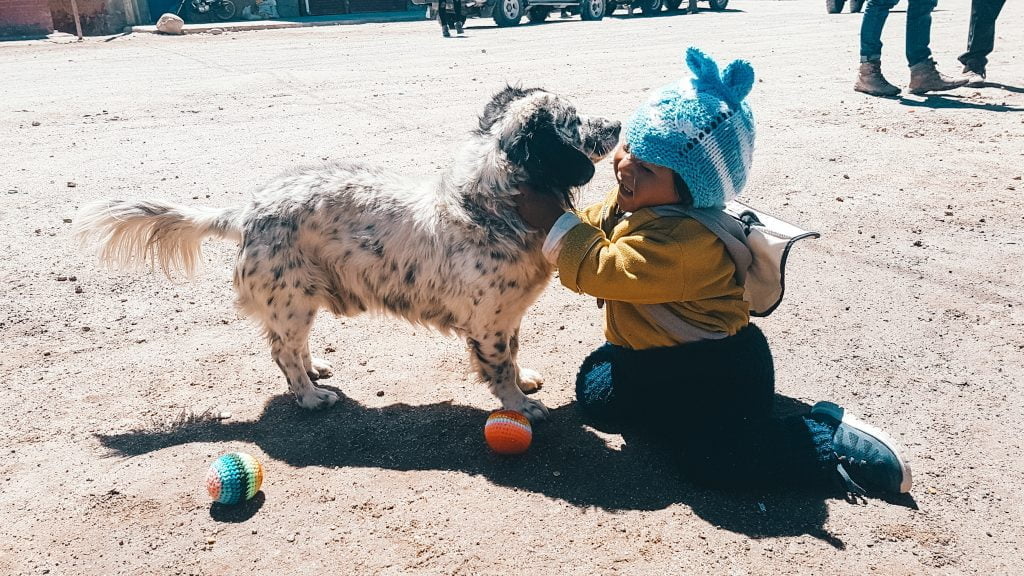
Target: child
[[683, 363]]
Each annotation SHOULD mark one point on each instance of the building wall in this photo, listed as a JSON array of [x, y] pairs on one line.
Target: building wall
[[25, 18], [98, 17]]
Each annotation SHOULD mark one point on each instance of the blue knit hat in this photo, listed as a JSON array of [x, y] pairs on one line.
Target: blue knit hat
[[703, 132]]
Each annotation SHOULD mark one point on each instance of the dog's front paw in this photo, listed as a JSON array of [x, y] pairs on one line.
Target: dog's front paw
[[530, 380], [532, 409], [321, 369], [317, 399]]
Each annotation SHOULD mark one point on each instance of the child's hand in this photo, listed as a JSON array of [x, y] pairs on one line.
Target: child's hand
[[538, 210]]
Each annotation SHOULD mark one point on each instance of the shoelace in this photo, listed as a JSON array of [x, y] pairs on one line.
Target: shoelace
[[855, 493]]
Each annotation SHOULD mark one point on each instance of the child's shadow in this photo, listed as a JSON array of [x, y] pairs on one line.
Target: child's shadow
[[567, 460]]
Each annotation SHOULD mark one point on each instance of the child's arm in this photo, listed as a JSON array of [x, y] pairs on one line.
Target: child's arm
[[667, 260]]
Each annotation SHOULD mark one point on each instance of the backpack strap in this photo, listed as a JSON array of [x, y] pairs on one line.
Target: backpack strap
[[728, 229]]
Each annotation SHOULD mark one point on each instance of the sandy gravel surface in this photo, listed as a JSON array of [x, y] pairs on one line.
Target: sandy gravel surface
[[908, 310]]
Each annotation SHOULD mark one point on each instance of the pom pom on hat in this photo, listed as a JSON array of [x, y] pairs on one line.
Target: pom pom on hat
[[703, 132]]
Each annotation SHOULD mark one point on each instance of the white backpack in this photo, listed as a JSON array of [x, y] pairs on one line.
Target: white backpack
[[758, 243]]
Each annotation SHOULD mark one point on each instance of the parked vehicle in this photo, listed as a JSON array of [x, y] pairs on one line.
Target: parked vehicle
[[199, 10], [836, 6], [511, 12], [649, 7]]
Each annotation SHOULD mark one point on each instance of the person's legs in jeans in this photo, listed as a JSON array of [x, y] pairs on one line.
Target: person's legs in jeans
[[875, 14], [919, 30], [924, 76], [443, 18], [459, 18], [981, 37]]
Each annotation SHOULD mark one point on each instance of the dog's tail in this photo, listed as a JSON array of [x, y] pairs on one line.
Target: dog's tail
[[133, 232]]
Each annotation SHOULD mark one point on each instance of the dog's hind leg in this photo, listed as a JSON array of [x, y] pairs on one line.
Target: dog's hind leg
[[288, 328], [491, 355]]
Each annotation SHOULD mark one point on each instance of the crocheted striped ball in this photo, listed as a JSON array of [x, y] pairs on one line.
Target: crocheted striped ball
[[508, 432], [234, 477]]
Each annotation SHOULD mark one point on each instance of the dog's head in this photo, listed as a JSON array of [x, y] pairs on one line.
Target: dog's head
[[544, 138]]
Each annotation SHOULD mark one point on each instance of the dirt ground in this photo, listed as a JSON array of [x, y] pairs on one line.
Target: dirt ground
[[906, 311]]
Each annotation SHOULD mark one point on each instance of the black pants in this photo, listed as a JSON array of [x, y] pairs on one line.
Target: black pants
[[450, 18], [710, 403], [981, 38]]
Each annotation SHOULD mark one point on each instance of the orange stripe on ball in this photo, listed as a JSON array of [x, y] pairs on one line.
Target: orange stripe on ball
[[508, 432]]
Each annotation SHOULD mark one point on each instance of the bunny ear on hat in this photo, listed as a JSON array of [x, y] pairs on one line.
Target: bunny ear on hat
[[731, 86]]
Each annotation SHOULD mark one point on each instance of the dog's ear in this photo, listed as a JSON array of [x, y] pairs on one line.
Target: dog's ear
[[549, 160], [498, 105]]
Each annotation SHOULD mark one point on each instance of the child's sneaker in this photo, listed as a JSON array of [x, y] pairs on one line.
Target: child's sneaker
[[866, 454]]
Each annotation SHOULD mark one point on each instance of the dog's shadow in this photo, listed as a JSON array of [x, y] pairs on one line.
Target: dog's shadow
[[567, 459]]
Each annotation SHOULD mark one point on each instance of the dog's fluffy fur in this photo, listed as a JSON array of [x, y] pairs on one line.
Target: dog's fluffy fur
[[451, 252]]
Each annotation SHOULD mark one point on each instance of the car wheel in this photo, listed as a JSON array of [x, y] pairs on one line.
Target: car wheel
[[225, 10], [834, 6], [537, 14], [672, 4], [718, 5], [509, 12], [594, 9], [648, 7], [856, 5]]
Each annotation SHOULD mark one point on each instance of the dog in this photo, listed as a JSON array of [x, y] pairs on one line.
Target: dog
[[450, 252]]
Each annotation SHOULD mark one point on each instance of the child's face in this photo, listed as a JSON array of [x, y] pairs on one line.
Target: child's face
[[642, 185]]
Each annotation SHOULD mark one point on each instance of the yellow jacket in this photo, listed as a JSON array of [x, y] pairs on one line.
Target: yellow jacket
[[645, 259]]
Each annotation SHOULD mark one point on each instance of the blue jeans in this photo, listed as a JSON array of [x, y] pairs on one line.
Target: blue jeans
[[919, 29]]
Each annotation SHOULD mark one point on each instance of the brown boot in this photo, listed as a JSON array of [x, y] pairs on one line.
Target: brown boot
[[924, 77], [870, 80]]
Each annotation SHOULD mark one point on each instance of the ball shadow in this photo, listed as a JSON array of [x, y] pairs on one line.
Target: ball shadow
[[240, 512], [567, 460]]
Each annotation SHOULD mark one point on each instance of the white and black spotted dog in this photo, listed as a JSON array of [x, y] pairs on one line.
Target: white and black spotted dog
[[449, 252]]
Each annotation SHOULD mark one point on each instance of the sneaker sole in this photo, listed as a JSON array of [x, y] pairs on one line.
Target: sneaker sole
[[840, 414]]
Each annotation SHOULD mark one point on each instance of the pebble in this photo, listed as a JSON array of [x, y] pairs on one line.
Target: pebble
[[72, 184], [35, 122]]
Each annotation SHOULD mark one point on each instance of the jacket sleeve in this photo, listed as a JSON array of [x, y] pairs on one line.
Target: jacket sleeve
[[672, 260]]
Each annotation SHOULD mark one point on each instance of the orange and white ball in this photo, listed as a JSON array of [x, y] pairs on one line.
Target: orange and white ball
[[508, 432]]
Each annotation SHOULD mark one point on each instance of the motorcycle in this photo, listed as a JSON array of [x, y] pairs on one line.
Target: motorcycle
[[220, 9]]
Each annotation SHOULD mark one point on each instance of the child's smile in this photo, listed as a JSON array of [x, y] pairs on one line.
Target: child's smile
[[641, 184]]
